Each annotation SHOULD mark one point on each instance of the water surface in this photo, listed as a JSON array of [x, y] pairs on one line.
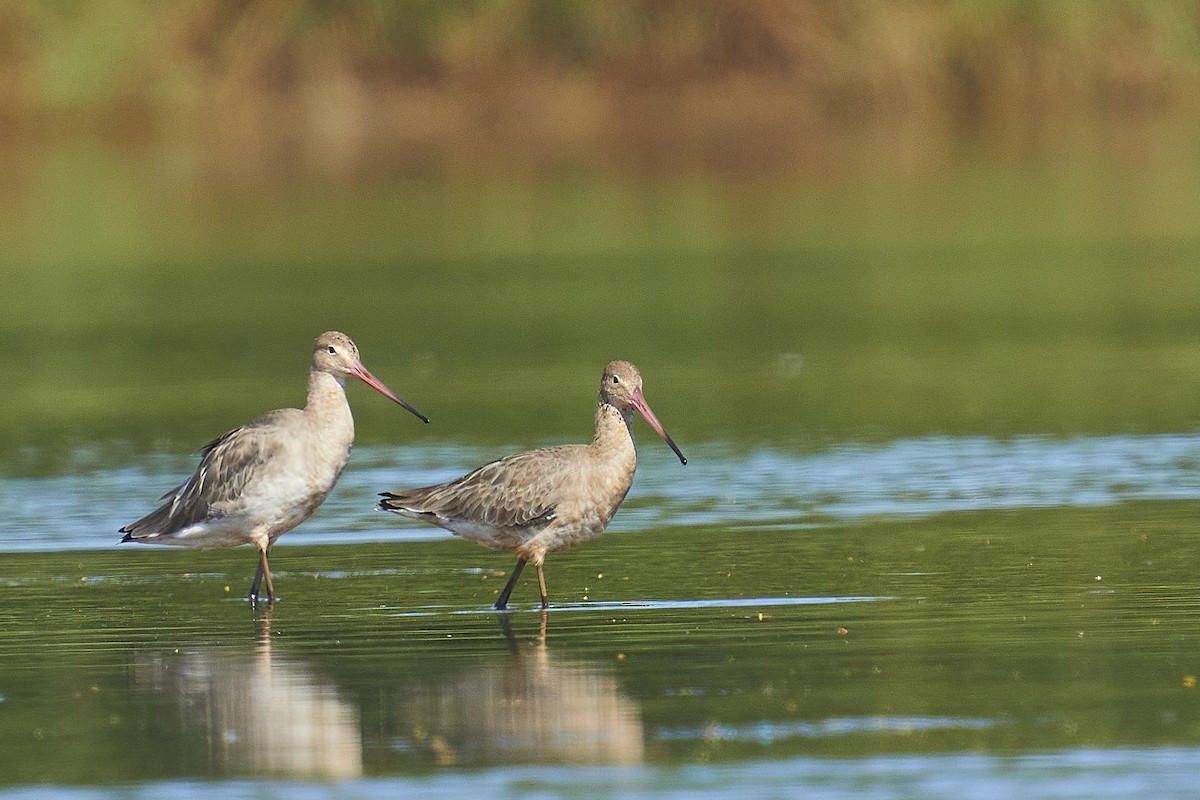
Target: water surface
[[722, 485], [936, 535]]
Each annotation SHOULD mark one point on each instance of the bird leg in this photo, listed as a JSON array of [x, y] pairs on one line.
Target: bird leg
[[502, 601], [542, 585], [267, 575], [263, 571], [254, 583]]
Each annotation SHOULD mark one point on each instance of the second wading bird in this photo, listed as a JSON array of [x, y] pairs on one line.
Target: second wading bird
[[259, 481], [543, 501]]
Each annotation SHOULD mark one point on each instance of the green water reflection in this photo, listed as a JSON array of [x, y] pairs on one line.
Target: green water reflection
[[986, 296], [990, 632], [148, 311]]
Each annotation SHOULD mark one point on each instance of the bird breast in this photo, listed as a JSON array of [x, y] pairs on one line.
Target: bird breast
[[310, 462]]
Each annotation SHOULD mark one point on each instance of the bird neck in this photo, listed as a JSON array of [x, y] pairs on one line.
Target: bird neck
[[327, 403], [614, 428]]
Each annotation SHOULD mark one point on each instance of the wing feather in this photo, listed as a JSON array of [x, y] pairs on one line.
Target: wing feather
[[518, 491], [227, 464]]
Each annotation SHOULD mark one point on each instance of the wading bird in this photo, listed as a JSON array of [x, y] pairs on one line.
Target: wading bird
[[259, 481], [543, 501]]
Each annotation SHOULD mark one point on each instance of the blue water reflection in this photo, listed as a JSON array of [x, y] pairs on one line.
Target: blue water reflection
[[1117, 774], [720, 486]]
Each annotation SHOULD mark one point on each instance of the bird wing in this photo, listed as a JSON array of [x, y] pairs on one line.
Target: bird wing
[[518, 491], [227, 464]]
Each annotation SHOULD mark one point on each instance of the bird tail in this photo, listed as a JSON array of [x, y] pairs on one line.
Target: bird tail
[[398, 503], [149, 526]]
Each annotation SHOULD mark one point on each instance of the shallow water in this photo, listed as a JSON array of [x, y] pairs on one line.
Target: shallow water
[[720, 486], [936, 535], [852, 635]]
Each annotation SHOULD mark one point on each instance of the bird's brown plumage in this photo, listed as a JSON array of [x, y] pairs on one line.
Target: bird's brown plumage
[[542, 501]]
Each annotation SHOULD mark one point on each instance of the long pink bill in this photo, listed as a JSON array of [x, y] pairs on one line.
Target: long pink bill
[[364, 375], [642, 407]]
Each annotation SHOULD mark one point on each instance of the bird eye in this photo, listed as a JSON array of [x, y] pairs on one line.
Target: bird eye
[[332, 349], [616, 379]]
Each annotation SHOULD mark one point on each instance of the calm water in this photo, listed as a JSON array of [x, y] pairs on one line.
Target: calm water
[[942, 617], [936, 535]]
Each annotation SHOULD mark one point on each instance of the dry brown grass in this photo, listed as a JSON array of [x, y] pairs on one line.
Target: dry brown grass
[[749, 83]]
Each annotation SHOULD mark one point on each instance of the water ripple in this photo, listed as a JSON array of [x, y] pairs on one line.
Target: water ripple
[[925, 476], [657, 605], [721, 485], [767, 732]]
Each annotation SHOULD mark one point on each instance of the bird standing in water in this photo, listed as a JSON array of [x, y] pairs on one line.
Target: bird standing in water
[[259, 481], [543, 501]]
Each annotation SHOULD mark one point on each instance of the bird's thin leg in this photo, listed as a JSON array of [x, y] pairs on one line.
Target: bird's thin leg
[[258, 573], [502, 601], [263, 571], [267, 574], [542, 586]]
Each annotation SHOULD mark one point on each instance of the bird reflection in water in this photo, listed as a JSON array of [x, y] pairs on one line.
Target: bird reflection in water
[[535, 708], [255, 712]]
